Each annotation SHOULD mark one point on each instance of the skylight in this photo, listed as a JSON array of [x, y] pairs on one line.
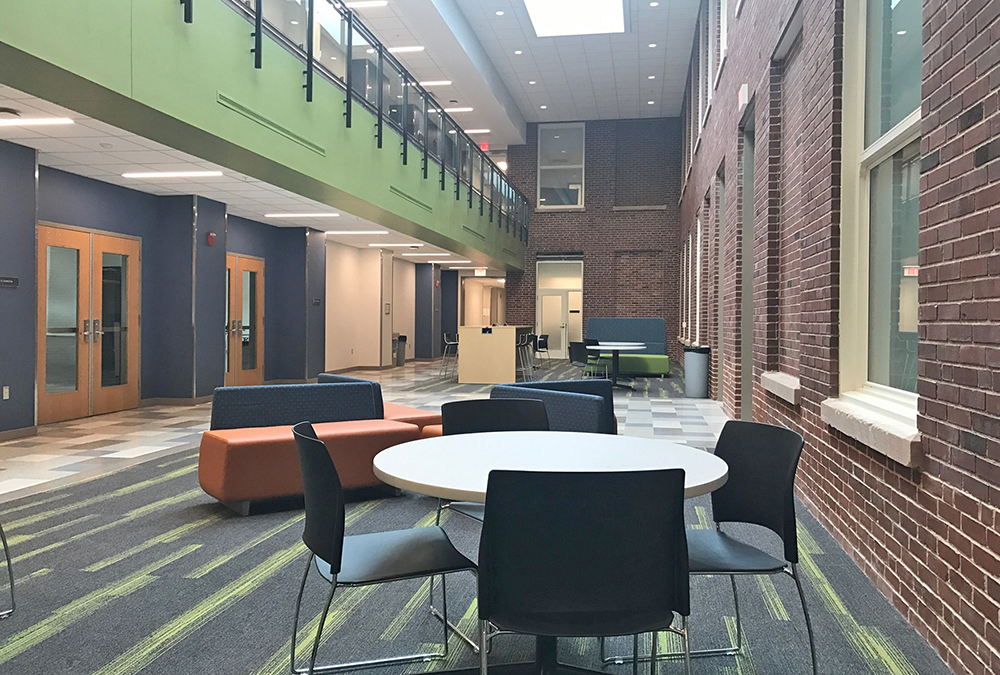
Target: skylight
[[552, 18]]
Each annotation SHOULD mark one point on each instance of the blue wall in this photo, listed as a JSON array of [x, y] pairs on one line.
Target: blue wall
[[210, 296], [17, 305], [315, 313], [427, 342], [449, 301]]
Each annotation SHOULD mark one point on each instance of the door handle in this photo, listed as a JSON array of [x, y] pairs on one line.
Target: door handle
[[97, 328], [86, 330], [237, 326]]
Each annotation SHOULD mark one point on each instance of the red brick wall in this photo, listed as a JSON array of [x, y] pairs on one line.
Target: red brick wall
[[929, 538], [630, 257]]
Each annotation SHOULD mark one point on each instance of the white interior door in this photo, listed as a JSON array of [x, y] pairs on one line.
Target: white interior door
[[552, 321]]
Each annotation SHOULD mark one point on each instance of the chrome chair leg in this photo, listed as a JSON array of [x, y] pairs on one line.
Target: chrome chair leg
[[483, 646], [812, 644], [10, 574]]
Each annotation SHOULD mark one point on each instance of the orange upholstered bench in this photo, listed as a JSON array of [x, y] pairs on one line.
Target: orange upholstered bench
[[402, 413], [239, 466]]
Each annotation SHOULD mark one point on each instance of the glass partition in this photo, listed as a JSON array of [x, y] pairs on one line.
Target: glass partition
[[290, 18], [331, 51], [392, 97], [364, 68]]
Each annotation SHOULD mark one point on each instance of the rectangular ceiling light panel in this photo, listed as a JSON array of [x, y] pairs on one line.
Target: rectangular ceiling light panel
[[553, 18]]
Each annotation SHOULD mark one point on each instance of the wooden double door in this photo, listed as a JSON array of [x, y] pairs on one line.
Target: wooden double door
[[88, 323], [245, 324]]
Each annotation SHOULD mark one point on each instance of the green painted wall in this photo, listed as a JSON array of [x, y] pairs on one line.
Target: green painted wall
[[135, 64]]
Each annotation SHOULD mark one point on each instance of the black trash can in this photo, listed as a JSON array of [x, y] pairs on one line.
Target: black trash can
[[400, 350], [696, 362]]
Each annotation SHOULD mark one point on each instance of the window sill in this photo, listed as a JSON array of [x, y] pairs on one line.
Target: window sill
[[556, 209], [885, 424], [782, 385], [718, 72]]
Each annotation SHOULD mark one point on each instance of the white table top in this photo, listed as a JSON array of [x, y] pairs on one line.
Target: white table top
[[457, 467], [621, 343], [612, 347]]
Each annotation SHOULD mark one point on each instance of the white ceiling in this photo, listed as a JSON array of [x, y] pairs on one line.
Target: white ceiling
[[577, 77], [97, 150]]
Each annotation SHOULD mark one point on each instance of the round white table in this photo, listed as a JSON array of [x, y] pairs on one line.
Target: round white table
[[614, 348], [457, 467]]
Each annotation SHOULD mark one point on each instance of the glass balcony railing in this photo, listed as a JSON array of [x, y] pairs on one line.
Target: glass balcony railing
[[334, 45]]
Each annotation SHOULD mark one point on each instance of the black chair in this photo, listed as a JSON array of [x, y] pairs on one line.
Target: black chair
[[542, 346], [10, 573], [546, 569], [481, 415], [364, 559], [762, 460], [595, 364], [578, 353]]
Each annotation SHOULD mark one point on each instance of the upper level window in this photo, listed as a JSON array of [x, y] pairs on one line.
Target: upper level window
[[893, 61], [560, 166]]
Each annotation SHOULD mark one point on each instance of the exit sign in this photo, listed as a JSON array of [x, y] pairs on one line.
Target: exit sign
[[485, 147]]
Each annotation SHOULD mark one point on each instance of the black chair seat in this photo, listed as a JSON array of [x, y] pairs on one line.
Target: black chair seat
[[469, 509], [399, 554], [714, 552]]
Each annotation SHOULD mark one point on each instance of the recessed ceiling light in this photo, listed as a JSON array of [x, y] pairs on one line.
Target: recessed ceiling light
[[358, 232], [900, 32], [652, 44], [463, 268], [301, 215], [369, 51], [650, 102], [457, 110], [172, 174], [531, 82], [294, 23], [396, 245], [425, 255], [552, 18], [455, 262], [333, 58], [435, 83], [651, 77], [477, 131], [405, 50], [34, 121], [654, 4], [366, 4], [543, 107], [499, 12], [502, 165], [518, 52]]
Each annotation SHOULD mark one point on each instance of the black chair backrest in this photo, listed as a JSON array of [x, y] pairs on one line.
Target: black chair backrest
[[543, 341], [578, 352], [762, 460], [508, 414], [324, 529], [583, 553], [590, 342]]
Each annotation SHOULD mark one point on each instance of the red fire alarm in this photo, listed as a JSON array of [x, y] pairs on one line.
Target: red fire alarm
[[437, 283], [210, 238]]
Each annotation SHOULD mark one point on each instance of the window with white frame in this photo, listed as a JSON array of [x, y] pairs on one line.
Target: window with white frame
[[560, 166], [879, 321]]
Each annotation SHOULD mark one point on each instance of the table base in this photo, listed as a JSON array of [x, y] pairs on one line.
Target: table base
[[545, 663]]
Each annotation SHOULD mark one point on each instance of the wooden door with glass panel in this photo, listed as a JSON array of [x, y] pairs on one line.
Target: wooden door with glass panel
[[245, 327], [88, 323]]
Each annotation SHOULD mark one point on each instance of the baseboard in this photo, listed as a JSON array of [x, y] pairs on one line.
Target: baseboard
[[23, 432], [147, 402]]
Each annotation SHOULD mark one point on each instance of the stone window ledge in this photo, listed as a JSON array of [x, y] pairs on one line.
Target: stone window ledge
[[883, 424], [782, 385]]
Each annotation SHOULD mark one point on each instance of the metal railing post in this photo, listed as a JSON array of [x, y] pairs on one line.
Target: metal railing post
[[310, 61], [350, 67], [379, 95]]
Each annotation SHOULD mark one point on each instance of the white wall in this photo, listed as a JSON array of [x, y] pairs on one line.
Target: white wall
[[352, 307], [472, 292], [404, 301]]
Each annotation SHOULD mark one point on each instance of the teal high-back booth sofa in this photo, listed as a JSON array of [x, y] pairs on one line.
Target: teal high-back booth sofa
[[652, 361]]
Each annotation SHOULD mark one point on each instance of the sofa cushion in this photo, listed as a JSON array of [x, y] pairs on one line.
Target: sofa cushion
[[432, 430], [332, 378], [249, 464], [402, 413], [287, 404], [643, 364]]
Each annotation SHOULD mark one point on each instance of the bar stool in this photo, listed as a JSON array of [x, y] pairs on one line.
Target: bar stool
[[449, 357], [523, 345]]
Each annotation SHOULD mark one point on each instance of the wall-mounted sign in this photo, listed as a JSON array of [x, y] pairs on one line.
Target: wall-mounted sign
[[911, 271], [480, 272], [9, 282]]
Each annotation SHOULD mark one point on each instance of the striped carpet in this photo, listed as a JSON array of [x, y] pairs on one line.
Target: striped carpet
[[141, 572]]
